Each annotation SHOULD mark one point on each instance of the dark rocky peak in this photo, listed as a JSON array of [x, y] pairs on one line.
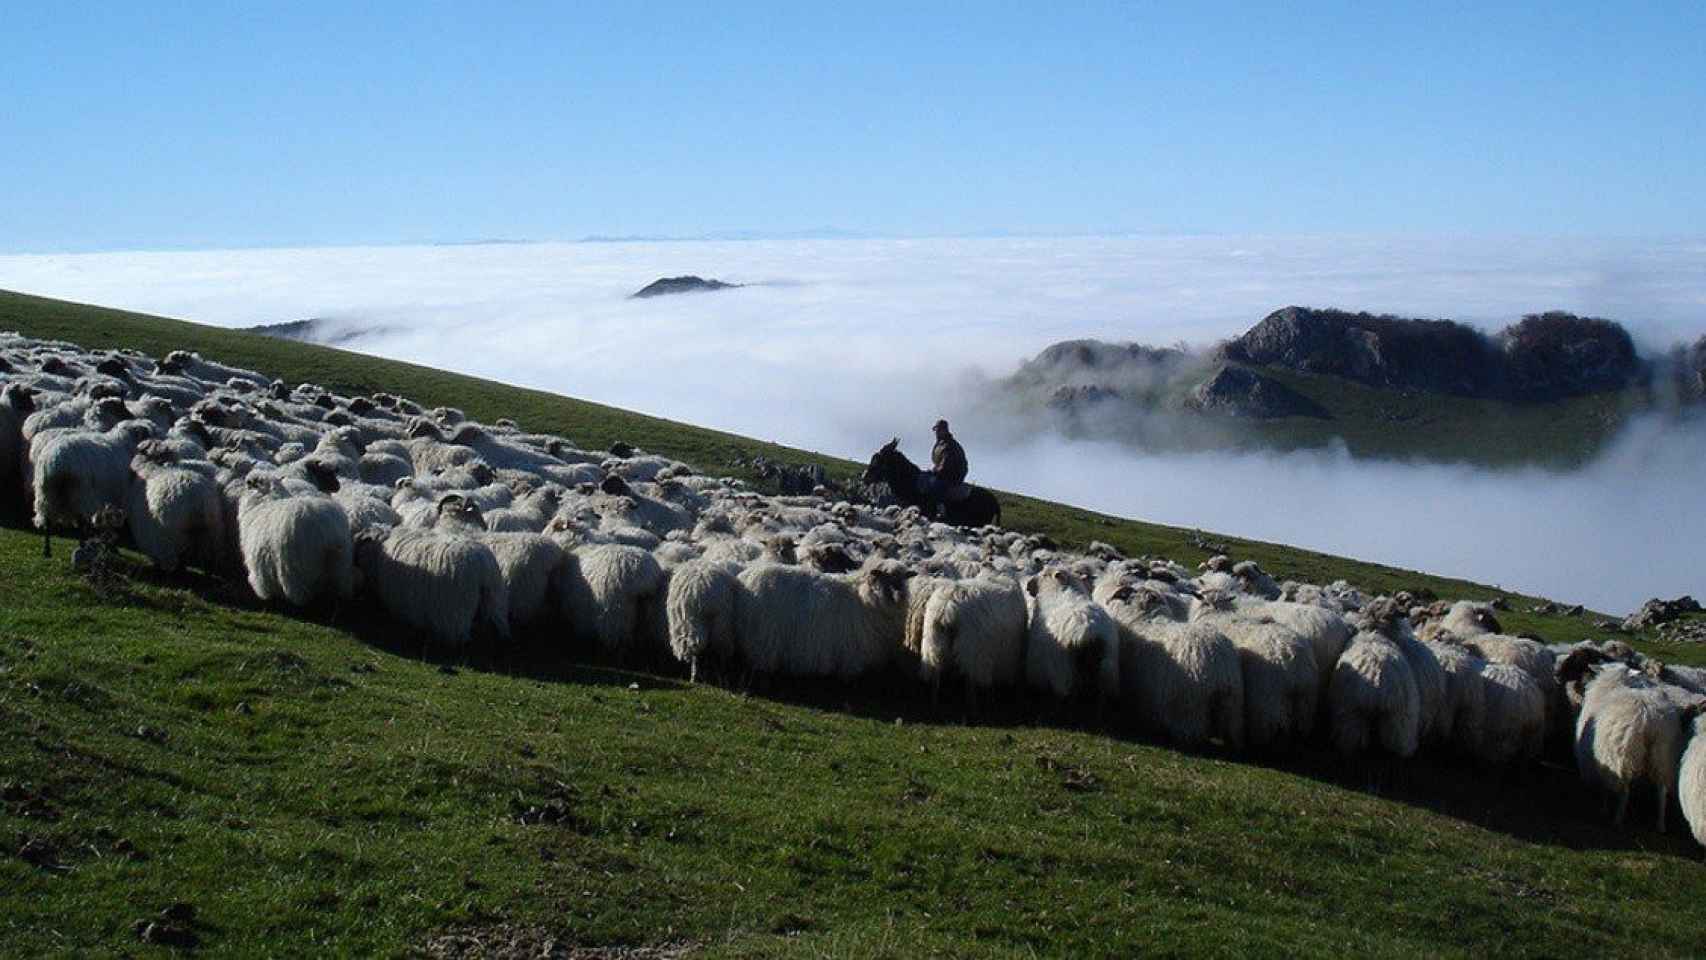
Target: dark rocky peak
[[667, 285], [1440, 356], [1553, 355]]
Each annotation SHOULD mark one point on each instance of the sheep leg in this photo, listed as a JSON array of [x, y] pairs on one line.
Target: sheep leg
[[1622, 808], [46, 544], [1664, 805], [693, 670], [936, 692]]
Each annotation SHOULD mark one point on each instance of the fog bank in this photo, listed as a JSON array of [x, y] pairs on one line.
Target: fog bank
[[843, 343]]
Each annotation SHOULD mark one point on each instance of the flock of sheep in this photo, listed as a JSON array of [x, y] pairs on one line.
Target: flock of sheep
[[462, 530]]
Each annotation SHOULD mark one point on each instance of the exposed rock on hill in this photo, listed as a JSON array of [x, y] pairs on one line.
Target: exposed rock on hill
[[1440, 356], [1550, 356], [1242, 392], [316, 330], [689, 284]]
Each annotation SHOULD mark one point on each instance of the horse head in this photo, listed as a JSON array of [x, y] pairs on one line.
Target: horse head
[[877, 471]]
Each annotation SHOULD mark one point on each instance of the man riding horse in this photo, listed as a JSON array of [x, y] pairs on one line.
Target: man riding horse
[[948, 469]]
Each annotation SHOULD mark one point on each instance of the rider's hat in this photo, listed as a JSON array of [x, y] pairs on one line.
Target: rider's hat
[[940, 425]]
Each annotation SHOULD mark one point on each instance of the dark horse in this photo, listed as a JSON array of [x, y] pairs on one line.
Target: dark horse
[[890, 466]]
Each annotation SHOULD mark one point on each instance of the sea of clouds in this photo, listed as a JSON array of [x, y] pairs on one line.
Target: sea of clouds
[[837, 345]]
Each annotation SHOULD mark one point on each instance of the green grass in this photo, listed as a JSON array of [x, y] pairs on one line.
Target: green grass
[[1410, 425], [313, 785]]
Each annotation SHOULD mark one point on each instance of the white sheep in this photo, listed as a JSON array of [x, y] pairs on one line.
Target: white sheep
[[1691, 776], [1629, 731], [1281, 681], [1072, 645], [1180, 679], [975, 628], [1372, 700], [77, 472], [295, 548], [442, 584], [796, 622], [699, 610], [613, 596], [176, 514], [1515, 716], [1463, 713]]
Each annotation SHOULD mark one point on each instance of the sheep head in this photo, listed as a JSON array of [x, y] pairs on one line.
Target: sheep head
[[885, 581], [176, 362], [19, 397], [56, 367], [321, 474], [113, 367]]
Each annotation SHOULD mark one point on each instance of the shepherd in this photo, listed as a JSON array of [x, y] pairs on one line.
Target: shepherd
[[940, 492]]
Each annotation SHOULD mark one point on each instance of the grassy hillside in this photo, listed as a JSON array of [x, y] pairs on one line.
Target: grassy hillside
[[313, 785], [1396, 424]]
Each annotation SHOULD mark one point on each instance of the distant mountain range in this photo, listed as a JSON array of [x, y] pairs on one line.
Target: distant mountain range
[[1550, 389]]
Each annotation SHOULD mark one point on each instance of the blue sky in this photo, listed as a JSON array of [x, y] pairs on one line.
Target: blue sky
[[168, 125]]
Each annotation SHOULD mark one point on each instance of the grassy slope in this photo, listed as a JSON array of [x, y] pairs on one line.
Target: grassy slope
[[1412, 425], [298, 802]]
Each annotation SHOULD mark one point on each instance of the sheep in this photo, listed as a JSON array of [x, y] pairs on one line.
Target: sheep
[[612, 595], [1515, 716], [1253, 580], [1073, 646], [532, 567], [295, 548], [1691, 776], [1463, 712], [976, 628], [175, 514], [183, 363], [77, 472], [1372, 699], [443, 585], [1326, 631], [796, 622], [1281, 681], [1181, 679], [17, 402], [1628, 731], [699, 610]]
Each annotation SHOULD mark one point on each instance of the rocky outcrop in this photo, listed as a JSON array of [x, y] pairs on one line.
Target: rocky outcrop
[[1438, 356], [1656, 612], [1550, 356], [1080, 397], [665, 286], [1546, 356], [1242, 392]]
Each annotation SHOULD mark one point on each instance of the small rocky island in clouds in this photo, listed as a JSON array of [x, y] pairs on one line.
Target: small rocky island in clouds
[[1552, 388], [665, 286]]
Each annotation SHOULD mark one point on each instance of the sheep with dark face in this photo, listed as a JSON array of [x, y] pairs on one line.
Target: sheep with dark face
[[1630, 729]]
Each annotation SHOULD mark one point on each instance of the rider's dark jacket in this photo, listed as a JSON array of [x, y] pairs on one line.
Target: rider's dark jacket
[[949, 461]]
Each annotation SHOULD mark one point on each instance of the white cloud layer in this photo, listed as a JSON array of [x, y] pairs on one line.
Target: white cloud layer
[[842, 343]]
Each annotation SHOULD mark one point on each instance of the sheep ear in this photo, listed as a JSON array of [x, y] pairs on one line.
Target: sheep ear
[[1031, 586], [1061, 576]]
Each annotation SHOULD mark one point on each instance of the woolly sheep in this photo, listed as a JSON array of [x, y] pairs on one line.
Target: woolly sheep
[[77, 472], [1180, 679], [444, 585], [295, 548], [1515, 716], [1281, 681], [1691, 777], [699, 610], [1372, 699], [975, 628], [176, 515], [613, 596], [796, 622], [533, 567], [1072, 645], [1628, 731]]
